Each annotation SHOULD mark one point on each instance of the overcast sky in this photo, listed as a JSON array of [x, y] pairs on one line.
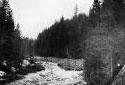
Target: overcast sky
[[36, 15]]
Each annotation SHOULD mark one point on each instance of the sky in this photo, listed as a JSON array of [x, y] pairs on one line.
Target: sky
[[36, 15]]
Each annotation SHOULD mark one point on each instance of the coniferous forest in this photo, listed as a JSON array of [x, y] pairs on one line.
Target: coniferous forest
[[98, 38]]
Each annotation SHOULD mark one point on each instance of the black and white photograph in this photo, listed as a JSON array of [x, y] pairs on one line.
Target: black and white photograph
[[62, 42]]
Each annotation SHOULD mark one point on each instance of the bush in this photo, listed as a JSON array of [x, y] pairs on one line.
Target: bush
[[30, 68], [12, 77], [69, 67], [79, 69], [36, 67], [66, 67]]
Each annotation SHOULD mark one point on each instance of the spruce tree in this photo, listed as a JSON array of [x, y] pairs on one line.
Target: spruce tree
[[8, 36], [94, 13]]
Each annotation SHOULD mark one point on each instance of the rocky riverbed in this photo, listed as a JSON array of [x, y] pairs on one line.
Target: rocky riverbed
[[53, 75]]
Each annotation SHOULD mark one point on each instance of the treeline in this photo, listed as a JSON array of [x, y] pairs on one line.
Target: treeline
[[97, 37], [62, 38], [27, 48], [13, 47]]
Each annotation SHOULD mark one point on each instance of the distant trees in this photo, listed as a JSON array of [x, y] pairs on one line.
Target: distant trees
[[62, 36], [76, 10], [27, 47], [52, 41]]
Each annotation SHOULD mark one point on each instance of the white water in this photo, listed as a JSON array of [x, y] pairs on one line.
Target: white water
[[53, 75]]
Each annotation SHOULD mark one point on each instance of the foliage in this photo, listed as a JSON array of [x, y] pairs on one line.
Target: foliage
[[60, 37], [94, 70], [9, 36], [27, 47], [94, 13], [117, 8], [107, 39]]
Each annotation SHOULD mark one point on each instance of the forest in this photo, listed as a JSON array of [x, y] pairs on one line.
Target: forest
[[97, 38]]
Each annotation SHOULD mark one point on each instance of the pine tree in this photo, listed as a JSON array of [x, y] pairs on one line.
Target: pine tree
[[9, 36], [6, 29], [94, 13], [76, 10]]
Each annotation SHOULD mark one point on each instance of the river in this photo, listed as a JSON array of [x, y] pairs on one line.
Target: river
[[53, 75]]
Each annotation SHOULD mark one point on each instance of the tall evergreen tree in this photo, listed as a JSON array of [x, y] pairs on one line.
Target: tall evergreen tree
[[9, 36], [6, 29], [94, 13]]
